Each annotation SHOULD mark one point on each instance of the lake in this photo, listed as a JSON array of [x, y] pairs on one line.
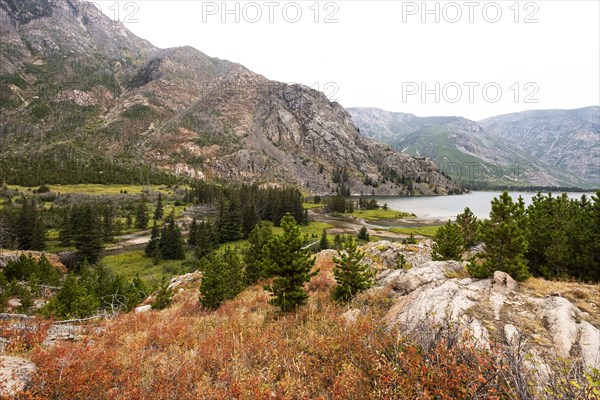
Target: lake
[[447, 207]]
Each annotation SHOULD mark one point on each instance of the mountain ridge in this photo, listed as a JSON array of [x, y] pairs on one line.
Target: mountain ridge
[[81, 85], [466, 150]]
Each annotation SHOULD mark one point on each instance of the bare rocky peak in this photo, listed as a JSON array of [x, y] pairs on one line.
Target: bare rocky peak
[[178, 108]]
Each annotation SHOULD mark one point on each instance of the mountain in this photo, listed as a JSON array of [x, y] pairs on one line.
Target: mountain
[[83, 99], [464, 149], [567, 139]]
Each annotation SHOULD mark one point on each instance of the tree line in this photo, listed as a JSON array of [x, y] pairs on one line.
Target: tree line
[[555, 237]]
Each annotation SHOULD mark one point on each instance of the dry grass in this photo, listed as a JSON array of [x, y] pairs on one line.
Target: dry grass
[[247, 350], [584, 296]]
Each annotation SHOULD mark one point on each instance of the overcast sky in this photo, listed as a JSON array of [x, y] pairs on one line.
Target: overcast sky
[[469, 58]]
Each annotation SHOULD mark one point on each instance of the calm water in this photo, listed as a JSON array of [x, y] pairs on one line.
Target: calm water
[[447, 207]]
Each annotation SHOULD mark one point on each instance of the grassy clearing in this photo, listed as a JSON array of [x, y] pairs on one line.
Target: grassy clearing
[[94, 189], [375, 215], [310, 206], [134, 263], [428, 230], [313, 229]]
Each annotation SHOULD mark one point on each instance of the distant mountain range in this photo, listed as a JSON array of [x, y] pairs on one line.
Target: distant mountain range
[[540, 148]]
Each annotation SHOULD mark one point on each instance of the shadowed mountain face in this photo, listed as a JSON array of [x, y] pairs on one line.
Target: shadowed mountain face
[[78, 88], [471, 152], [566, 139]]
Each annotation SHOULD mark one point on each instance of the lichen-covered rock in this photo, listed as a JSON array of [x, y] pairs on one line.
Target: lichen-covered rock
[[15, 375], [437, 293]]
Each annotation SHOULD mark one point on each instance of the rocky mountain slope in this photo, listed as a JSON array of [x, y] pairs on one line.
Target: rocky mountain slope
[[465, 149], [78, 87], [567, 139]]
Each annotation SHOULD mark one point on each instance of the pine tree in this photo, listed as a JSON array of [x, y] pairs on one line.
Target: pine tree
[[410, 239], [363, 234], [30, 229], [505, 241], [256, 257], [337, 242], [230, 221], [351, 275], [65, 234], [449, 243], [87, 234], [206, 239], [249, 217], [214, 287], [141, 216], [38, 235], [324, 242], [107, 223], [154, 244], [291, 264], [467, 222], [163, 296], [235, 271], [159, 211], [171, 243], [193, 233]]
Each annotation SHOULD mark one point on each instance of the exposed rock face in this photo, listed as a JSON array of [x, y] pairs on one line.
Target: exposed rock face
[[8, 256], [15, 374], [478, 151], [177, 108], [568, 139], [429, 294]]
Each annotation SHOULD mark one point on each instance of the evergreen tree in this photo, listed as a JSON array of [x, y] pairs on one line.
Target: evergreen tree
[[324, 242], [230, 221], [65, 234], [291, 263], [206, 239], [215, 285], [107, 223], [467, 222], [249, 218], [363, 234], [38, 235], [337, 242], [74, 300], [505, 241], [234, 272], [159, 211], [410, 239], [30, 229], [171, 243], [87, 234], [449, 243], [193, 233], [141, 216], [351, 275], [256, 257], [163, 296], [154, 244]]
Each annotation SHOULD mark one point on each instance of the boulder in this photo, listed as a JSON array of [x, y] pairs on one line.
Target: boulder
[[15, 375], [434, 294]]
